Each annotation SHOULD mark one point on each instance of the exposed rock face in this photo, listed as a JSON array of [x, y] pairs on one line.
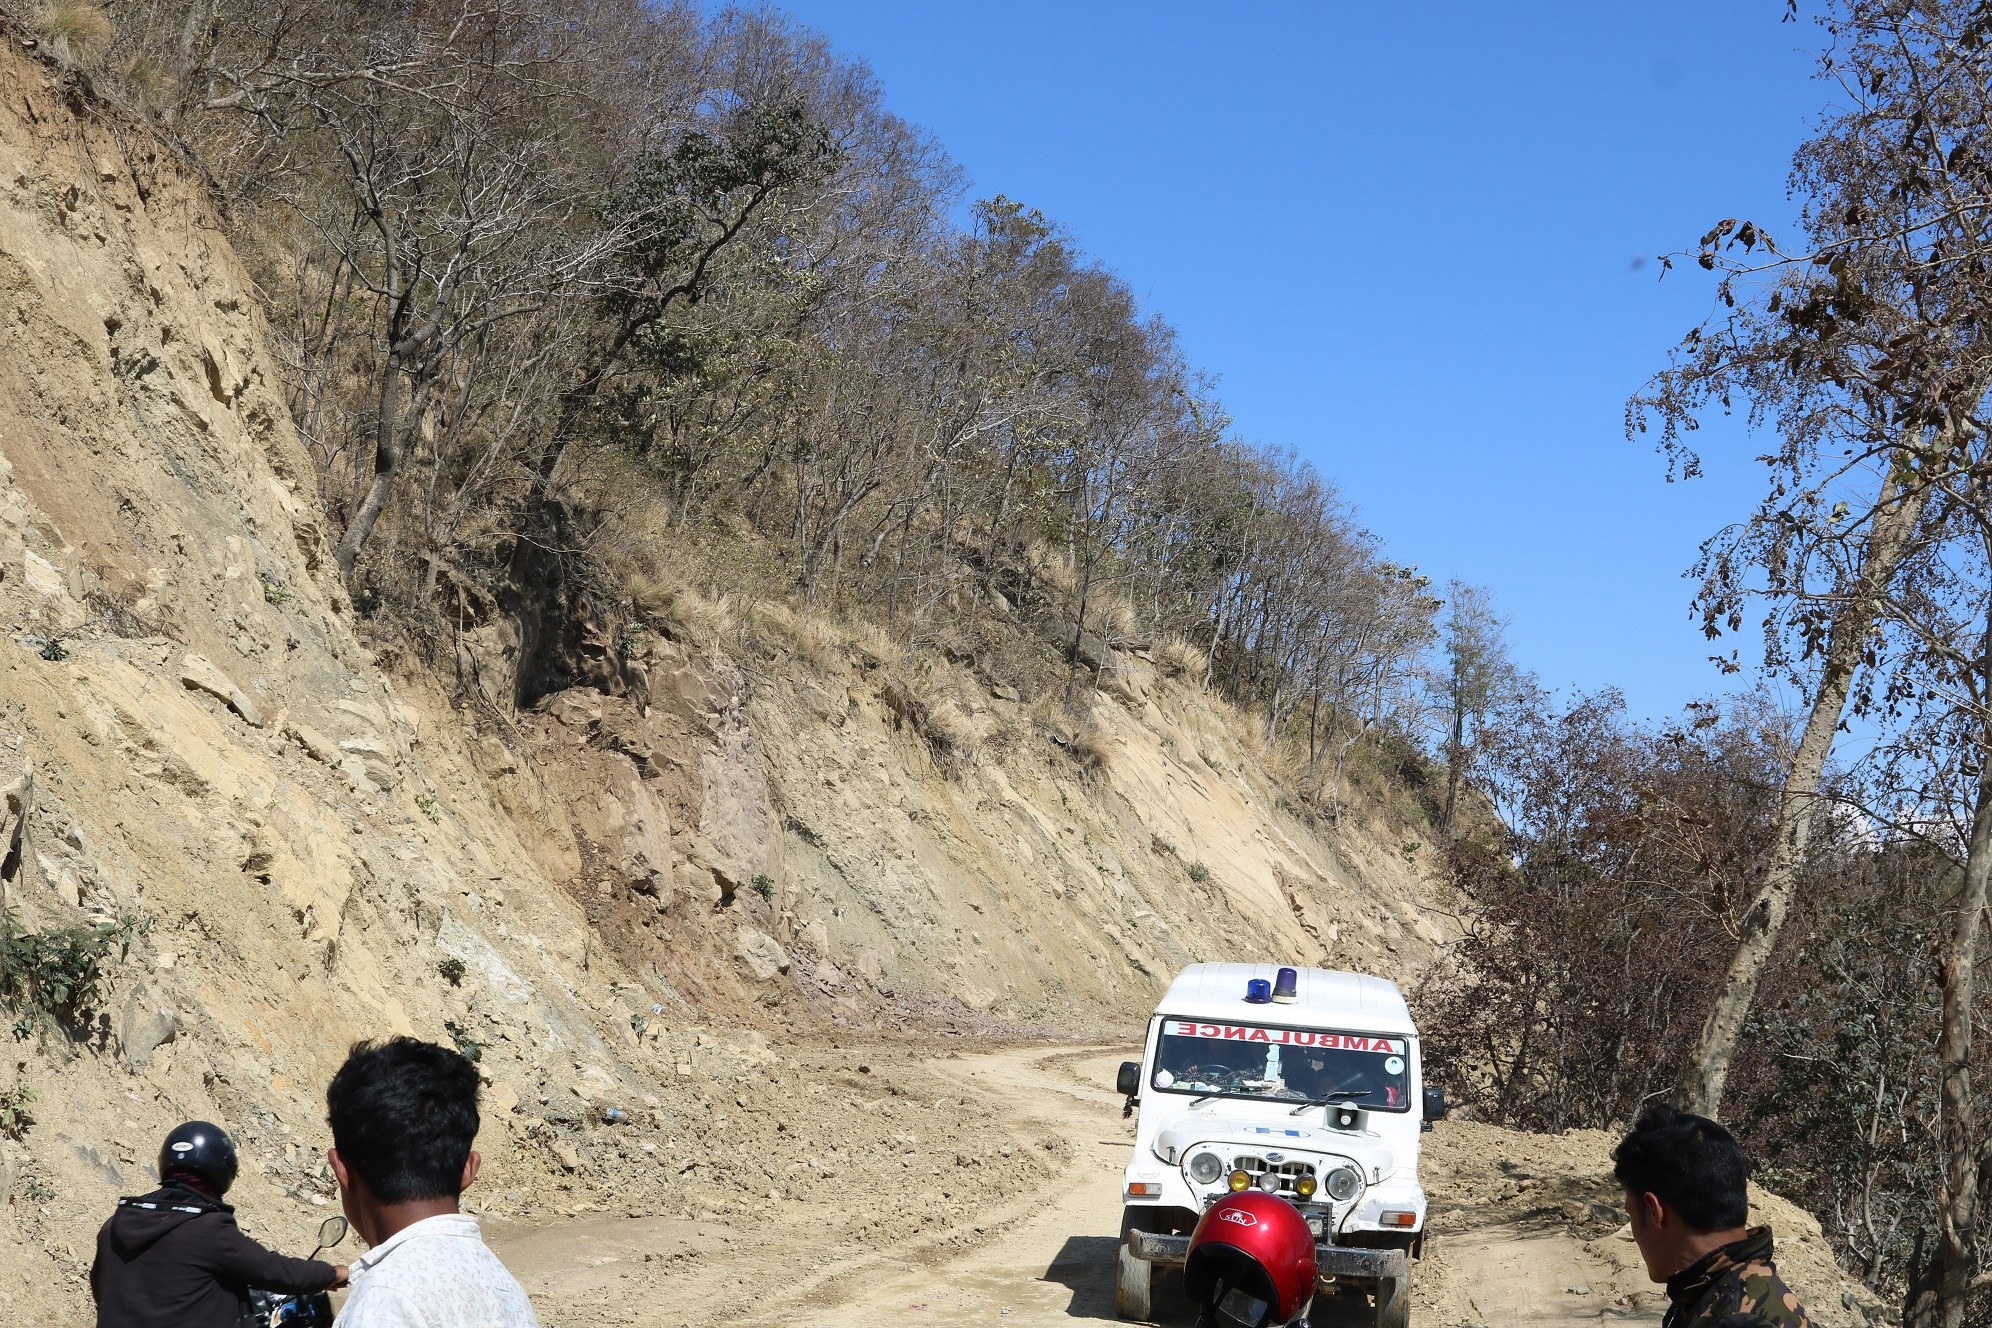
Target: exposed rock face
[[737, 831], [191, 735]]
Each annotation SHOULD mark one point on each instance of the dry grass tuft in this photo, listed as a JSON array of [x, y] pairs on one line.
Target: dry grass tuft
[[818, 642], [1115, 620], [76, 32], [1095, 749], [708, 618], [878, 648], [947, 730], [1182, 659], [808, 638]]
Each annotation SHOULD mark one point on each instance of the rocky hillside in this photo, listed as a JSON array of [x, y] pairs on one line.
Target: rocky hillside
[[613, 898]]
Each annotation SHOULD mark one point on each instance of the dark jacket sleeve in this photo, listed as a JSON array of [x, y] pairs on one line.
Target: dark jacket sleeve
[[240, 1259], [97, 1264]]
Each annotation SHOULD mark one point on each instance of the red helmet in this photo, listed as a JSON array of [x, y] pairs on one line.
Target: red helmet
[[1251, 1262]]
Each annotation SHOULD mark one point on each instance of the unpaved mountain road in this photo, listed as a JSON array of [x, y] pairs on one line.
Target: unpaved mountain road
[[1522, 1234]]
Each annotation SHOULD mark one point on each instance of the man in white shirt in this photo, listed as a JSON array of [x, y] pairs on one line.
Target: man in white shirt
[[404, 1116]]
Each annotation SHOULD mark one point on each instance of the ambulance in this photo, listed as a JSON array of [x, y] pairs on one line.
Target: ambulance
[[1304, 1083]]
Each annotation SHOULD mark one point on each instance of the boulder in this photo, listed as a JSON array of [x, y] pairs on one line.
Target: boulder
[[199, 674], [316, 745], [146, 1029], [631, 830], [737, 839], [576, 708], [682, 691], [760, 954]]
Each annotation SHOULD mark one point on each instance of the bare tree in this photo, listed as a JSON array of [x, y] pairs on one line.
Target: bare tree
[[1864, 345], [1477, 674]]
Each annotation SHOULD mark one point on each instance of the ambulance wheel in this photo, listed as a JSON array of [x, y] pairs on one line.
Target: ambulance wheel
[[1393, 1304], [1134, 1286], [1134, 1279]]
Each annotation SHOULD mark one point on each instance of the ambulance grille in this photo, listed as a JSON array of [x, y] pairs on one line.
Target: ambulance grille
[[1289, 1172]]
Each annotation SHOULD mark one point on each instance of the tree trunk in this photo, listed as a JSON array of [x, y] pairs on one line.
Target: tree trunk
[[1895, 520], [1948, 1282], [387, 464], [1455, 752]]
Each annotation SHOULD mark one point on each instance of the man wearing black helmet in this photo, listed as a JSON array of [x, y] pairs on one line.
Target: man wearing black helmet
[[175, 1258]]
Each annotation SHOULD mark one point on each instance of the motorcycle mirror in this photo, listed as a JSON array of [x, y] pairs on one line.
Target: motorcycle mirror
[[331, 1231]]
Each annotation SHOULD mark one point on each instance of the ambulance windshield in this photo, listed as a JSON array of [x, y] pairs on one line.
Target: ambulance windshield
[[1282, 1064]]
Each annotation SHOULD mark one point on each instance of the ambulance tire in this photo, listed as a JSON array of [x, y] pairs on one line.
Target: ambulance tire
[[1134, 1279], [1393, 1304], [1134, 1286]]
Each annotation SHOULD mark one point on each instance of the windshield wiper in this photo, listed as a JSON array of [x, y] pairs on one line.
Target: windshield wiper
[[1332, 1097]]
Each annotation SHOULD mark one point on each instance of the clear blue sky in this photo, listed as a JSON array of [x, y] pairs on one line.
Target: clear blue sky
[[1405, 239]]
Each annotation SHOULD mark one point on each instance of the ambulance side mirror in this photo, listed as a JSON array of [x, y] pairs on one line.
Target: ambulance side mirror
[[1128, 1082], [1435, 1104]]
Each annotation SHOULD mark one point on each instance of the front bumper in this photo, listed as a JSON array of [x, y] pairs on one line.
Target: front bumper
[[1335, 1261]]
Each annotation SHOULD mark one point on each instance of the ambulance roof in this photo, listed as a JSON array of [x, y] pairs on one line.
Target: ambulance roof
[[1324, 998]]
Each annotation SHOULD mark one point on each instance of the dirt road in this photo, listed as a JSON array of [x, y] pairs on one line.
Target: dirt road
[[1523, 1236]]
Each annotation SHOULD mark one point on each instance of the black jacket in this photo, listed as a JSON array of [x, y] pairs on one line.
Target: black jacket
[[175, 1259]]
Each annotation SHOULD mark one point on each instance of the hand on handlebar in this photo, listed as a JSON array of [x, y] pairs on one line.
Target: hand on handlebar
[[339, 1271]]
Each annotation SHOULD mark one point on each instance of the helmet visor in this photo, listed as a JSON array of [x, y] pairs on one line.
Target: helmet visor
[[1239, 1308]]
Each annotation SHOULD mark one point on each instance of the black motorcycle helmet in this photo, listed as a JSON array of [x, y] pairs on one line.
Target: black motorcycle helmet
[[201, 1150]]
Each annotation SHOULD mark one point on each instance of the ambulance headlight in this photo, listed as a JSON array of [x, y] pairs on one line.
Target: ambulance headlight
[[1344, 1184], [1205, 1168]]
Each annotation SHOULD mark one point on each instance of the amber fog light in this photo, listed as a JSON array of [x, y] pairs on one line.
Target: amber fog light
[[1304, 1187], [1239, 1182]]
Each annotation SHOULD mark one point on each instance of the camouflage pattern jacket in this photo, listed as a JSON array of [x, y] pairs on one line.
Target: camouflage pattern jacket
[[1736, 1286]]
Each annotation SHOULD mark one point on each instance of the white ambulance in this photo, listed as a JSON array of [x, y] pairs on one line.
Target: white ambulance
[[1302, 1082]]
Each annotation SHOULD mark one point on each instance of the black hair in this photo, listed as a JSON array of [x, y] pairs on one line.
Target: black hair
[[403, 1115], [1694, 1165]]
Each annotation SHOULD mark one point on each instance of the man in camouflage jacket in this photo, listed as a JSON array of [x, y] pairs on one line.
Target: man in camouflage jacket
[[1687, 1190], [1734, 1286]]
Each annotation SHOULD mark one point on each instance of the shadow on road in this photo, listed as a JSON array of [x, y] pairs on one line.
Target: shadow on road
[[1084, 1266]]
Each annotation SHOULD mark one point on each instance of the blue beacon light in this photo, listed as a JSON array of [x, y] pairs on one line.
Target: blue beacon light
[[1286, 987], [1258, 991]]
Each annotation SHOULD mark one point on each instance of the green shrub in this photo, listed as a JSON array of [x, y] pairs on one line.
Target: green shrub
[[59, 976], [464, 1042], [15, 1116], [453, 969], [430, 807], [764, 886], [1199, 873]]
